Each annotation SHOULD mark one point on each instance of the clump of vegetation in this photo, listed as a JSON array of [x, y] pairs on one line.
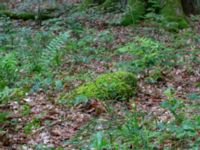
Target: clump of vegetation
[[147, 54], [173, 14], [8, 69], [118, 85], [135, 10]]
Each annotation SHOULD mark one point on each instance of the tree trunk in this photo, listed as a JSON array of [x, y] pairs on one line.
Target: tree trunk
[[191, 6], [188, 6]]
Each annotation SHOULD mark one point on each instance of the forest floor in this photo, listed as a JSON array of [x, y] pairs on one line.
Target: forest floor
[[38, 121]]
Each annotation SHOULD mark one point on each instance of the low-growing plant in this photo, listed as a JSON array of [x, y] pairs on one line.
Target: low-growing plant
[[8, 69], [132, 134], [53, 53], [183, 129], [5, 94], [147, 54], [3, 117], [173, 104], [26, 110], [35, 123], [139, 132], [99, 141]]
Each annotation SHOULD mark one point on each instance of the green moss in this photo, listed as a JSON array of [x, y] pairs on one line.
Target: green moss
[[118, 85], [135, 10], [23, 15], [174, 17]]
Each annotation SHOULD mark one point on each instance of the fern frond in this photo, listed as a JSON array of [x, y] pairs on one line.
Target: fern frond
[[52, 51]]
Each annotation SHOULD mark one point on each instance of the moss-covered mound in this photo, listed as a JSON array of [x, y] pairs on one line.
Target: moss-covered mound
[[118, 85]]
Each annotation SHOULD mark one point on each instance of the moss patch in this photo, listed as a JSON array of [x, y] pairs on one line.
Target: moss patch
[[118, 85]]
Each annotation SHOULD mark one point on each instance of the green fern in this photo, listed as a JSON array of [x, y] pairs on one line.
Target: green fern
[[52, 53], [8, 69]]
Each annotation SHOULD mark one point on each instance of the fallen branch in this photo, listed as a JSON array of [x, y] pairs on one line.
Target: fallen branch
[[25, 15]]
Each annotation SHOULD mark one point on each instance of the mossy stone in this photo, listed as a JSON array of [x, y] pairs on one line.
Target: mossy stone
[[118, 85]]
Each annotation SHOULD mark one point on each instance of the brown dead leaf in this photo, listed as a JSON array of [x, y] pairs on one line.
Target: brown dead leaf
[[56, 132]]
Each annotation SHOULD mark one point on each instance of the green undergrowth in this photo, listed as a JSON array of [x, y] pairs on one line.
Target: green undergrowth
[[167, 14], [152, 58], [32, 60], [174, 16], [64, 58], [137, 130], [135, 11]]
